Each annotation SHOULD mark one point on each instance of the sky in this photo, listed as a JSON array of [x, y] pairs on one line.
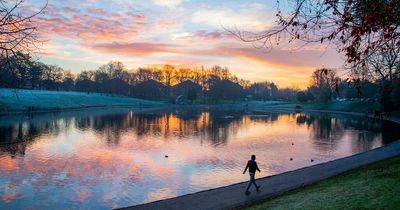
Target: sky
[[85, 34]]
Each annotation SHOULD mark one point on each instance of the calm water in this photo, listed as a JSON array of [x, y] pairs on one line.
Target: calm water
[[117, 158]]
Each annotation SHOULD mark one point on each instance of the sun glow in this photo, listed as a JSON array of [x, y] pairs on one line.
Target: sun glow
[[169, 32]]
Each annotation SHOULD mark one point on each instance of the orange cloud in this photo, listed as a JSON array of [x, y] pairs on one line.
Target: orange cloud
[[166, 23], [275, 56], [136, 49], [138, 25], [288, 68]]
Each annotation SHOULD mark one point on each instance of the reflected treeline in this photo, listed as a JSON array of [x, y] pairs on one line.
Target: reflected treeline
[[214, 126], [271, 117], [15, 138], [326, 129]]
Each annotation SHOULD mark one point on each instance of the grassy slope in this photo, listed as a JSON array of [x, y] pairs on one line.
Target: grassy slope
[[19, 100], [345, 106], [376, 186]]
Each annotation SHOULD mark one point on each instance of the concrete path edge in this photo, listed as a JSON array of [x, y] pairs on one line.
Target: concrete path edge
[[232, 196]]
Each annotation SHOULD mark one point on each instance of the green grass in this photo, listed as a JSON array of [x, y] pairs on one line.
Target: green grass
[[344, 106], [376, 186], [19, 100]]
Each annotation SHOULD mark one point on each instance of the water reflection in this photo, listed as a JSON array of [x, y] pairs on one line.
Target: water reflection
[[116, 158], [328, 130], [213, 126]]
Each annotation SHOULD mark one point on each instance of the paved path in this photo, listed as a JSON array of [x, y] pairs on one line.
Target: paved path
[[232, 196]]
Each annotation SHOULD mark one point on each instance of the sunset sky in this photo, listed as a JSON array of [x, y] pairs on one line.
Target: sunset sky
[[82, 35]]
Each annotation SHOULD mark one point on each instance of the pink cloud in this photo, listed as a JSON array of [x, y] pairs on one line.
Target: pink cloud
[[52, 10], [206, 35], [136, 49], [138, 25], [70, 10], [134, 16], [90, 25], [97, 11], [165, 23], [210, 35], [87, 28]]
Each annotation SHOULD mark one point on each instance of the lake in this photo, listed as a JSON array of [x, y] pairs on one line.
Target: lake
[[120, 157]]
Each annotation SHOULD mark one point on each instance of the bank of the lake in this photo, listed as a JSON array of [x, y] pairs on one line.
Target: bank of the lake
[[233, 196], [328, 185], [20, 100], [17, 101], [375, 186], [89, 132], [341, 106]]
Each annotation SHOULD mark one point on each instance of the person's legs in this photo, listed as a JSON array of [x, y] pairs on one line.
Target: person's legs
[[249, 184], [254, 182], [255, 185], [251, 181], [248, 187]]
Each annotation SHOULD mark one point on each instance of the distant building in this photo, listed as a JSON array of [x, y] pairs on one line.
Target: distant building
[[225, 90], [187, 89], [151, 89]]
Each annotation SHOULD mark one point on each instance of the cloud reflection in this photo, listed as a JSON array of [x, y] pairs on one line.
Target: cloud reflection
[[119, 158]]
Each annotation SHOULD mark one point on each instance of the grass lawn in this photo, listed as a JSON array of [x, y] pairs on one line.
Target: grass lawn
[[19, 100], [376, 186], [344, 106]]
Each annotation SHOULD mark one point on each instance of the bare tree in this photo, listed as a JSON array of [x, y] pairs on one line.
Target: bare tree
[[324, 83], [385, 65], [18, 30], [360, 28], [113, 69]]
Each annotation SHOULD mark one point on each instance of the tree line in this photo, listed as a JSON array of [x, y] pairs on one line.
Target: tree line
[[366, 32], [326, 86], [20, 71], [208, 84]]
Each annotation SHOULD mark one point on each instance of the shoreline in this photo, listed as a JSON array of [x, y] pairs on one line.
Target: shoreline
[[232, 196], [134, 106], [211, 198], [394, 119], [43, 101], [100, 107]]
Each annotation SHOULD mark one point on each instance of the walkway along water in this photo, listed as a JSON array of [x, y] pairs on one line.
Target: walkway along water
[[233, 196]]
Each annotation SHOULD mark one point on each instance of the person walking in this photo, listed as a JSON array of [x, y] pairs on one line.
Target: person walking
[[252, 166]]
